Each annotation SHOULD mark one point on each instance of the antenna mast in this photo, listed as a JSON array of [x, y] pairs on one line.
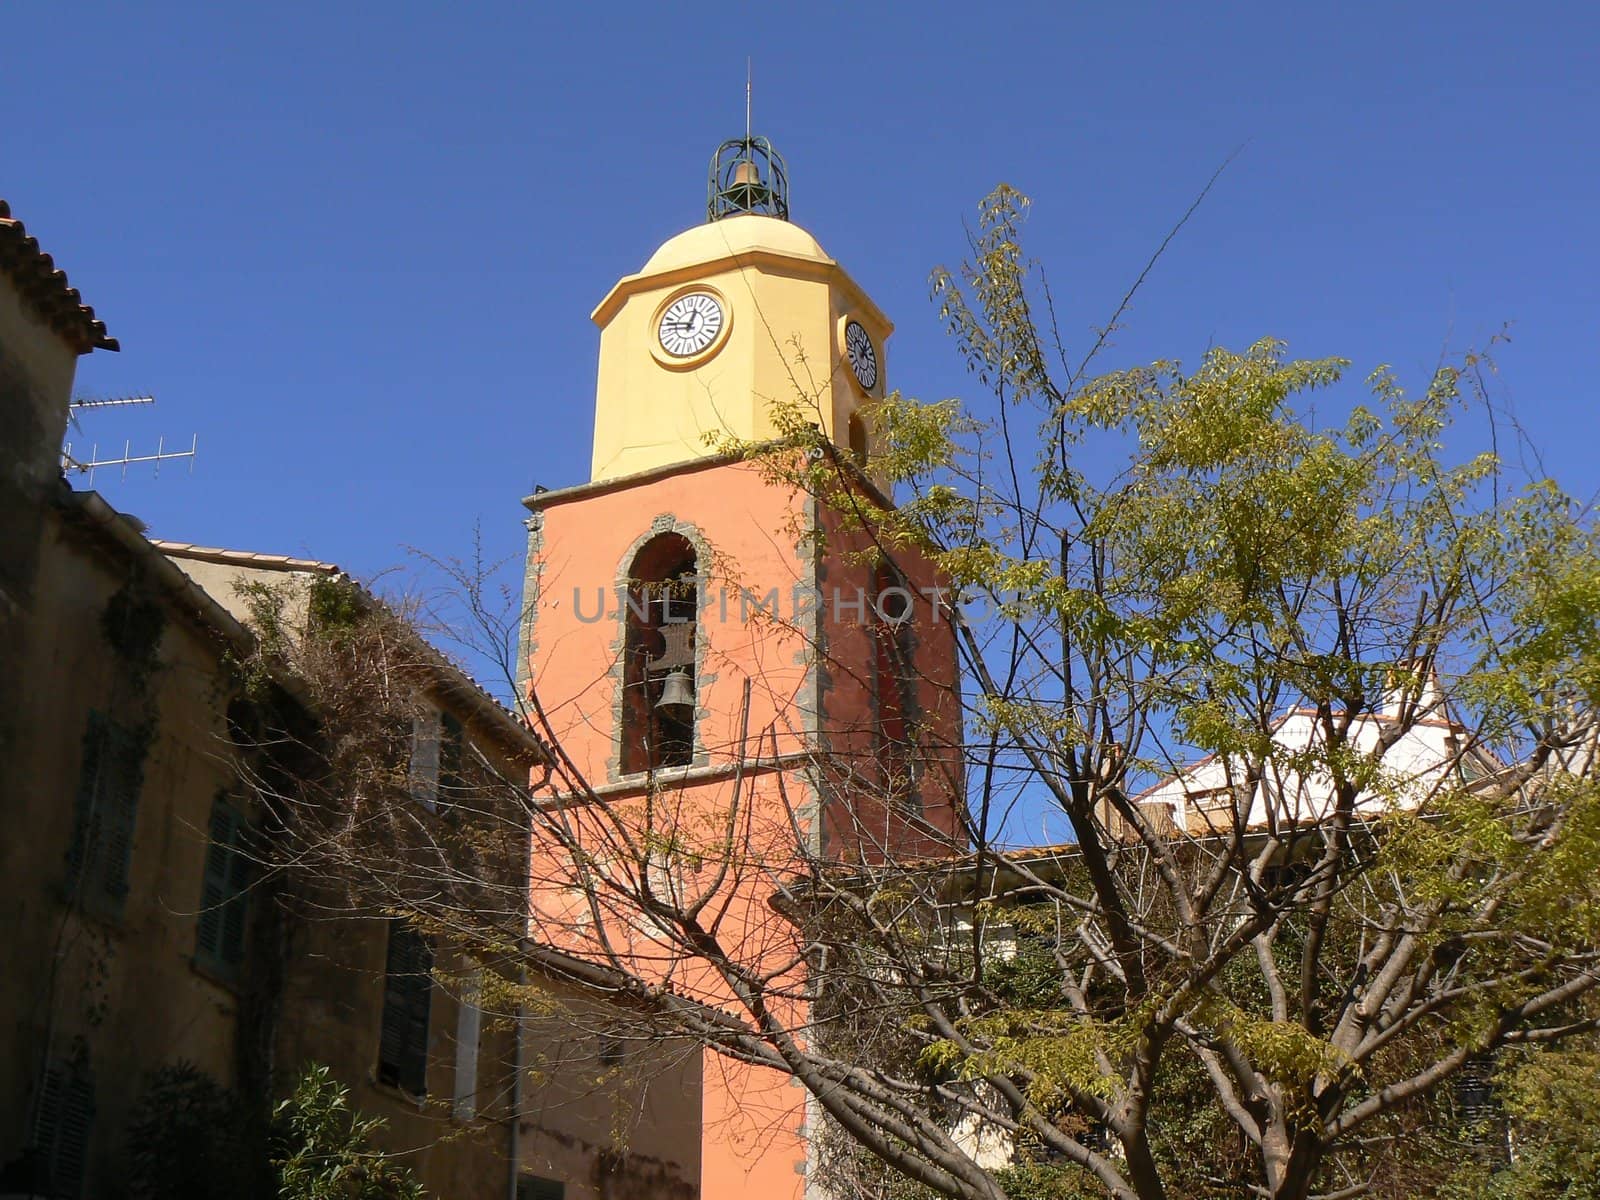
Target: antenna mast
[[127, 458]]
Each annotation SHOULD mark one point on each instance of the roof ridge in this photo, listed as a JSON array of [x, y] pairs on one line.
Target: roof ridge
[[252, 558]]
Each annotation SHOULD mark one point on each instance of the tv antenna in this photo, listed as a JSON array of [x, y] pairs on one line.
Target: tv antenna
[[88, 466]]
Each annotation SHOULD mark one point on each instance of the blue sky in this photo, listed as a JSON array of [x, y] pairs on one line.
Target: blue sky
[[354, 247]]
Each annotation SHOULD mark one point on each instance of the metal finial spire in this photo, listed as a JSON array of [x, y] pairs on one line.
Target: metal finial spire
[[747, 98]]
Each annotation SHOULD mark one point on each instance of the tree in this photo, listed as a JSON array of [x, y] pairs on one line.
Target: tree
[[189, 1138], [1267, 1002], [322, 1150], [1548, 1098]]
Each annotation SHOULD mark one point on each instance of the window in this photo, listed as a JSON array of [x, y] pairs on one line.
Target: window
[[533, 1187], [658, 685], [62, 1122], [858, 440], [1478, 1104], [893, 684], [1210, 807], [407, 997], [425, 758], [224, 895], [438, 759], [107, 807]]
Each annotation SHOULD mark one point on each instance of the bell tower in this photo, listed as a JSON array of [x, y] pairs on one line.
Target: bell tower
[[715, 648]]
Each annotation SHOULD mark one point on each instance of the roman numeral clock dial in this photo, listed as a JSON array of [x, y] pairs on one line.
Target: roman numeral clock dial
[[863, 357], [690, 324]]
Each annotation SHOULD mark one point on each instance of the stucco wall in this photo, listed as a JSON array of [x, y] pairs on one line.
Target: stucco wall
[[332, 1014], [124, 988], [612, 1113], [809, 669]]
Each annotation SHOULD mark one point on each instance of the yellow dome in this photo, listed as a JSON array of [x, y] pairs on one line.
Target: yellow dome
[[734, 235]]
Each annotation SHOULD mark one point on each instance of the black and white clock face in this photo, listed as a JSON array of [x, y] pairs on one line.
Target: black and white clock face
[[690, 324], [863, 358]]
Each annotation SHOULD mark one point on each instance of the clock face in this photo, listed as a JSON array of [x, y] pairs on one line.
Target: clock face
[[863, 358], [690, 324]]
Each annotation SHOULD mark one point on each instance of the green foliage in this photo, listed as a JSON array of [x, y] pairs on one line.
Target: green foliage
[[1549, 1098], [189, 1138], [1048, 1181], [321, 1148], [335, 605], [1176, 554], [133, 625]]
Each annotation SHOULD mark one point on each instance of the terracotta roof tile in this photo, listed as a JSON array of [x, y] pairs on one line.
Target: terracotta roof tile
[[44, 286], [244, 558]]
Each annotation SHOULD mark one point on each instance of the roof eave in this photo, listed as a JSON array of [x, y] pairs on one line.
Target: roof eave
[[45, 289]]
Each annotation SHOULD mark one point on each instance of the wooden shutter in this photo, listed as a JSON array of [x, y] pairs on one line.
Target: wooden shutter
[[407, 997], [425, 759], [237, 907], [469, 1028], [65, 1115], [85, 832], [452, 757], [120, 804], [213, 888], [72, 1143], [106, 811], [224, 893]]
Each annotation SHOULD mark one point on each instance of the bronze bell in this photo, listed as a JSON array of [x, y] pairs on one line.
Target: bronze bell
[[677, 691]]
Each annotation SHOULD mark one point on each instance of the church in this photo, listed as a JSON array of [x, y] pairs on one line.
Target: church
[[743, 684]]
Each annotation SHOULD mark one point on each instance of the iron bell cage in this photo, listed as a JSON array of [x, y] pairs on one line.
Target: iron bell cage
[[747, 176]]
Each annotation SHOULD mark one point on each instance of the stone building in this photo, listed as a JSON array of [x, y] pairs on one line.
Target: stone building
[[143, 926]]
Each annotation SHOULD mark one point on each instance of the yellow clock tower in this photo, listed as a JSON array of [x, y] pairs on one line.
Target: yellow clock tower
[[722, 321]]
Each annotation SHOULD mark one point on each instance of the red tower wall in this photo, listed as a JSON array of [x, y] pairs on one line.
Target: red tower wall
[[779, 782]]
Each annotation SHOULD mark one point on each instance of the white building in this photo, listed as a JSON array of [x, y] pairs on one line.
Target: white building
[[1415, 740]]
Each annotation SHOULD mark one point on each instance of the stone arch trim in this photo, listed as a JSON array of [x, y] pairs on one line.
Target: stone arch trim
[[661, 523]]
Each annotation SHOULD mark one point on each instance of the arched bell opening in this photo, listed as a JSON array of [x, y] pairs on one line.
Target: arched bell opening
[[858, 440], [659, 678], [894, 685]]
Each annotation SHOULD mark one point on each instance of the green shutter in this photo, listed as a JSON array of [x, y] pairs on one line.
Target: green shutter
[[72, 1144], [452, 757], [85, 835], [238, 905], [407, 998], [120, 800], [224, 892], [63, 1120], [107, 811]]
